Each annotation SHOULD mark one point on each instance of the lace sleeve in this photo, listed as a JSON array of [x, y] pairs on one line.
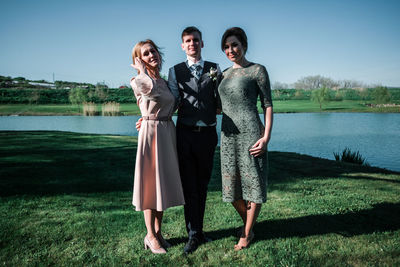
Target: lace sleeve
[[264, 86]]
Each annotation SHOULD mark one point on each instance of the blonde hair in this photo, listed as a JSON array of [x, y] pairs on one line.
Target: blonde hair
[[137, 53]]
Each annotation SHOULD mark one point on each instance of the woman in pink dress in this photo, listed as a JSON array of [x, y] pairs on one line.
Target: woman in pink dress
[[157, 184]]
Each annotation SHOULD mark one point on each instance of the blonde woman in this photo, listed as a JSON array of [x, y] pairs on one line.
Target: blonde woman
[[157, 184]]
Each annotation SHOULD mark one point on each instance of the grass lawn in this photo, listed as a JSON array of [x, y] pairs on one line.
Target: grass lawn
[[287, 106], [296, 106], [66, 200], [57, 109], [42, 109]]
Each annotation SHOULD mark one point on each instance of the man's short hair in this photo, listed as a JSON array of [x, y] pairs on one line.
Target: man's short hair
[[190, 30]]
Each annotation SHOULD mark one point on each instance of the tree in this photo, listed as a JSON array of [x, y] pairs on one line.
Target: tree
[[279, 85], [77, 96], [381, 95], [101, 85], [20, 79], [101, 94], [276, 93], [349, 84], [315, 82], [299, 94], [34, 96], [320, 96], [5, 82]]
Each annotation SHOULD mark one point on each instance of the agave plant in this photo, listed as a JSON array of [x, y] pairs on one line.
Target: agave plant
[[350, 157]]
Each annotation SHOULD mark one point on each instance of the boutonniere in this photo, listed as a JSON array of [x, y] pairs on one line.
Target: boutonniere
[[213, 73]]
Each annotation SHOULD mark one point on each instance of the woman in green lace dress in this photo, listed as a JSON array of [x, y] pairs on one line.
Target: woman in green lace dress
[[244, 139]]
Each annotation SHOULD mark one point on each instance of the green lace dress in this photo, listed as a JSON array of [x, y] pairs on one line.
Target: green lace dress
[[243, 176]]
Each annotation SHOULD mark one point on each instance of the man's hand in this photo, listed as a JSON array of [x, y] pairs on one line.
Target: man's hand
[[139, 124]]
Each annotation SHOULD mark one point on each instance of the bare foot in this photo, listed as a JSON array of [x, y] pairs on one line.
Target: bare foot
[[244, 242]]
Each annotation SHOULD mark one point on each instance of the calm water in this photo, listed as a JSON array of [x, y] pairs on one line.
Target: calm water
[[376, 136]]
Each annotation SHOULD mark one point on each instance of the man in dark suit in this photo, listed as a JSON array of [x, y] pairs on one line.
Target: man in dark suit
[[194, 85]]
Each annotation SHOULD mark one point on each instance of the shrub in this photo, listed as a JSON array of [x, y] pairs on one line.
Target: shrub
[[338, 96], [299, 95], [381, 95], [350, 157], [77, 96]]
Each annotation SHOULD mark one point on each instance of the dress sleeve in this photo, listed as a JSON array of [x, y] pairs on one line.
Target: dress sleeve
[[219, 79], [142, 85], [265, 87]]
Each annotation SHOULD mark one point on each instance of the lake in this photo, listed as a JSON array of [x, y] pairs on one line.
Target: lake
[[376, 136]]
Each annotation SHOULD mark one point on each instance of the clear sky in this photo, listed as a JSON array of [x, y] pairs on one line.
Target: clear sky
[[91, 41]]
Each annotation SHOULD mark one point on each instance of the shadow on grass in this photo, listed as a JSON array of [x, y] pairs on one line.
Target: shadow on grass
[[382, 217], [285, 167], [48, 162], [333, 109]]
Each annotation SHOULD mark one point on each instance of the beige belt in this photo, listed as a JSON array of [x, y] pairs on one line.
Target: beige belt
[[154, 118]]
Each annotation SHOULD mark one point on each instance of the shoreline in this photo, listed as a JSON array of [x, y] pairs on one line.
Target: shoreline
[[138, 114], [280, 106]]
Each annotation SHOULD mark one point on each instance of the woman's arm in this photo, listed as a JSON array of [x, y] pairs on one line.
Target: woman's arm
[[263, 83], [260, 147], [142, 84]]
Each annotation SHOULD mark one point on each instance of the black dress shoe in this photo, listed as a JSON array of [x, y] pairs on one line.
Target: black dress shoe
[[191, 245]]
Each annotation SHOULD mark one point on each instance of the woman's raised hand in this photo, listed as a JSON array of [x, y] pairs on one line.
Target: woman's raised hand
[[259, 147], [139, 65]]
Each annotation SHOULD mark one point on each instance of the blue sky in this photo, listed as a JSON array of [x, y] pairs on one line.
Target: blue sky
[[91, 41]]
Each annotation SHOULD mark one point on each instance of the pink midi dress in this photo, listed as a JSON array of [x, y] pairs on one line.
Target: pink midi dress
[[157, 183]]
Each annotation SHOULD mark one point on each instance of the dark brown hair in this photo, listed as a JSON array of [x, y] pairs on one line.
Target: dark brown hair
[[238, 33], [190, 30]]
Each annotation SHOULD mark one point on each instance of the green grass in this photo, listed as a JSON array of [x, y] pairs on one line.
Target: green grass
[[286, 106], [296, 106], [66, 200], [50, 109], [57, 109]]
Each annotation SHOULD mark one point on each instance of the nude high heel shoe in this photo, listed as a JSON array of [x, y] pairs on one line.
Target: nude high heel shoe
[[147, 245]]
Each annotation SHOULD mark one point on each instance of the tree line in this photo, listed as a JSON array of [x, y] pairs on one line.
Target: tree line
[[23, 83], [318, 81], [64, 96], [315, 88]]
